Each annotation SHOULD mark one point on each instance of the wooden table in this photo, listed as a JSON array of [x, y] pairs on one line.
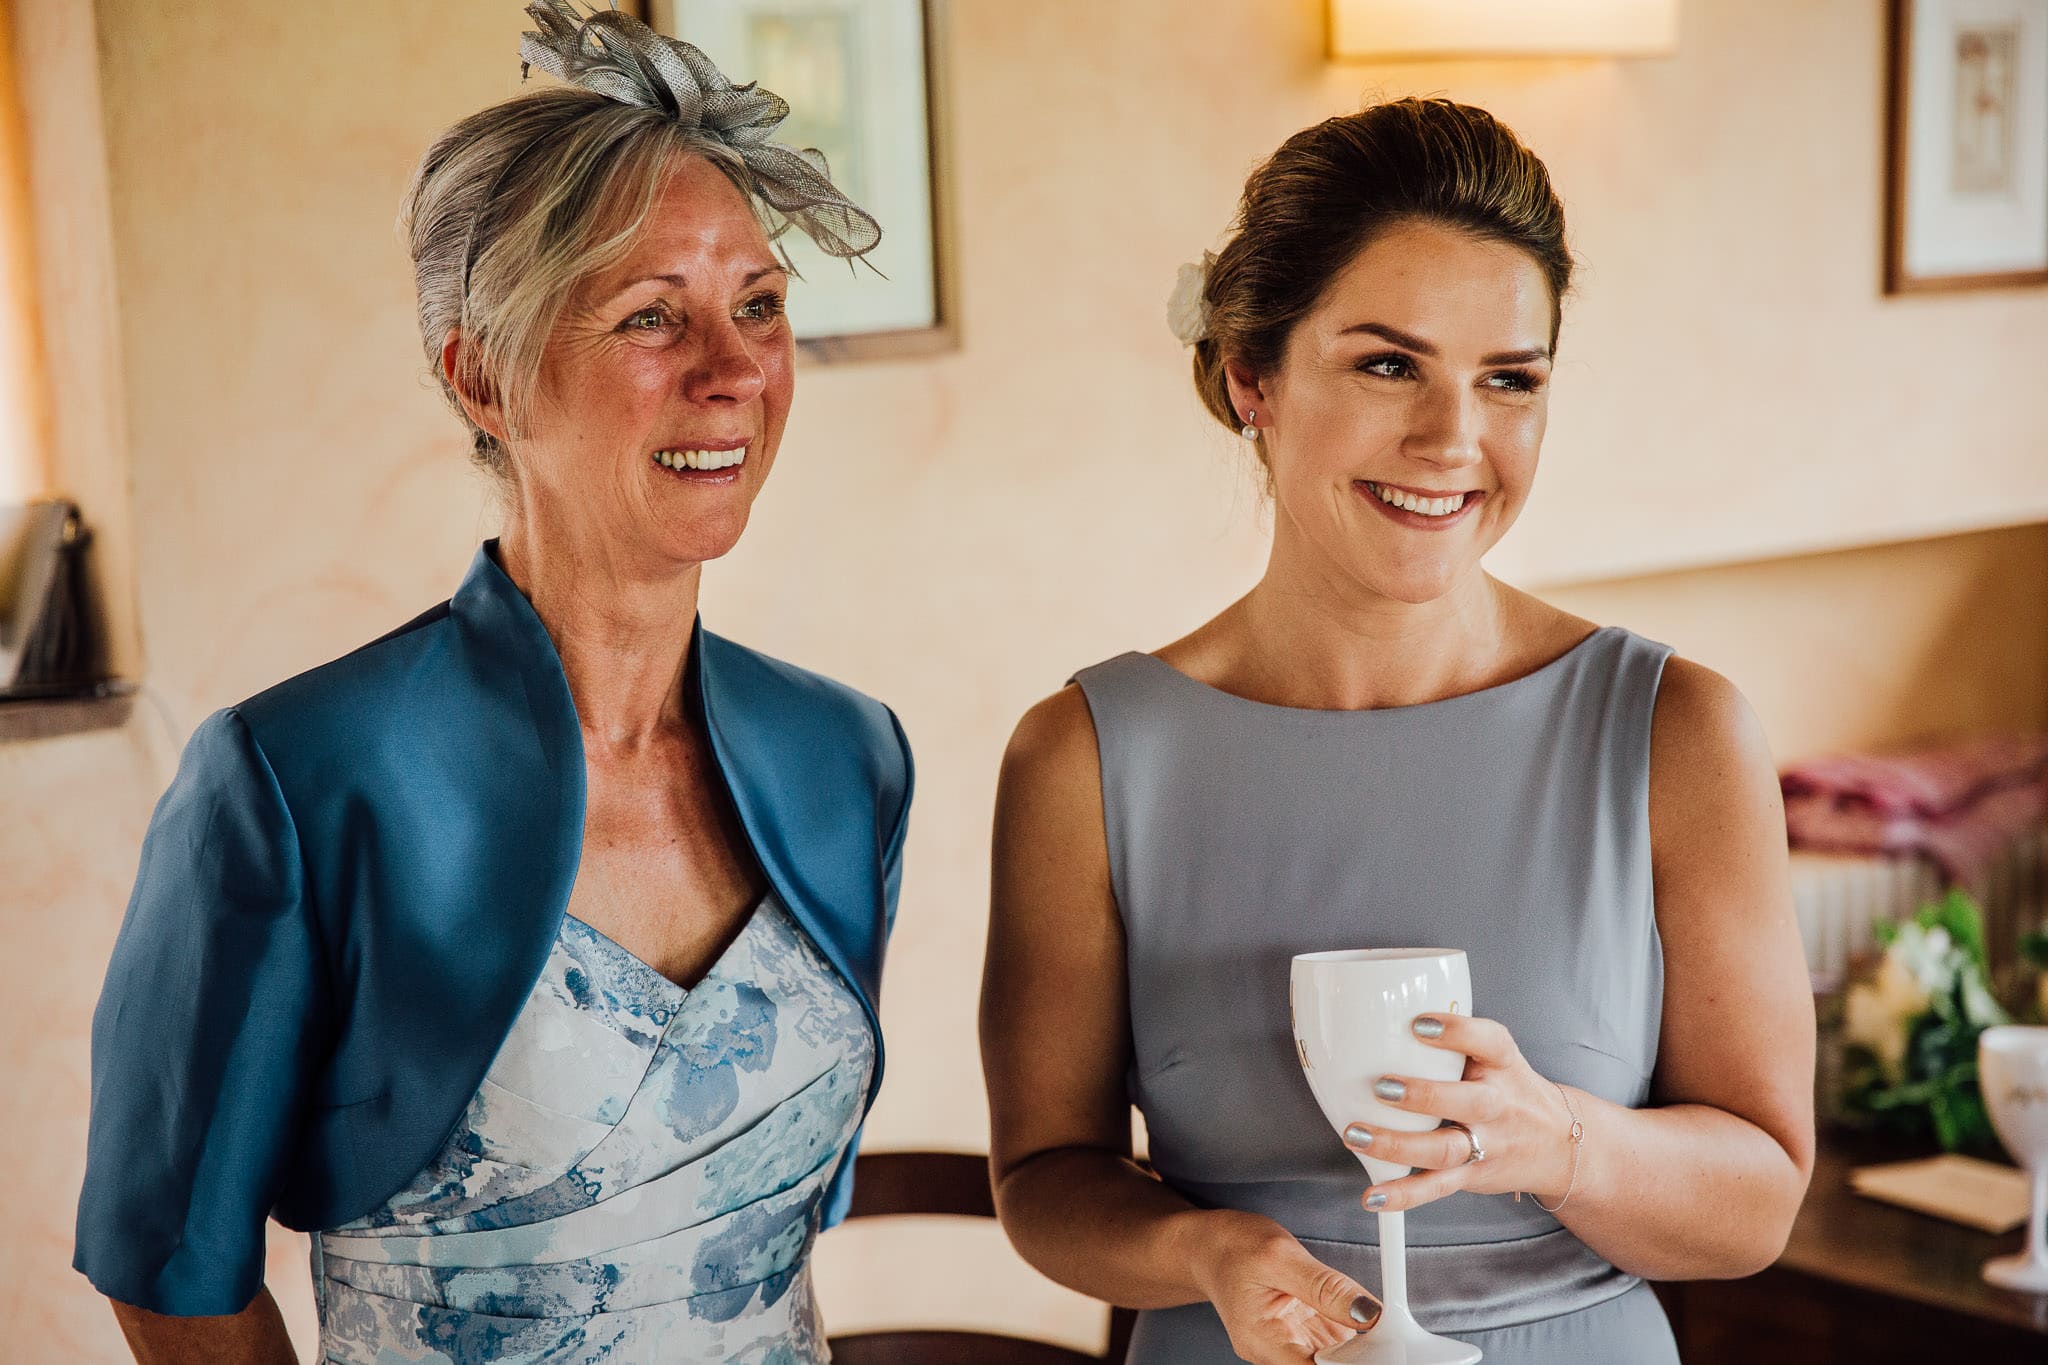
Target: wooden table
[[1864, 1282]]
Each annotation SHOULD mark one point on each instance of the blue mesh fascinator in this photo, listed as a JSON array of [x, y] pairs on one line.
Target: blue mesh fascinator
[[617, 56]]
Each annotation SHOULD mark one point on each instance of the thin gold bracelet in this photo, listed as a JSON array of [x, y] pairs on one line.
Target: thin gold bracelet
[[1578, 1136]]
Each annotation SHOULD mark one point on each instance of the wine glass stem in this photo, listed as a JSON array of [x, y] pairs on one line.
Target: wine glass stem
[[1394, 1263], [2037, 1218]]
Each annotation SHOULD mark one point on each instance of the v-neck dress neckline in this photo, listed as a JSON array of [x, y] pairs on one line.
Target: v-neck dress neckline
[[640, 1175], [633, 959]]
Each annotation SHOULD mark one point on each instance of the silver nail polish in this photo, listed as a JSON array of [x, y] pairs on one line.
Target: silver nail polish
[[1427, 1027], [1365, 1310], [1390, 1090], [1358, 1135], [1376, 1200]]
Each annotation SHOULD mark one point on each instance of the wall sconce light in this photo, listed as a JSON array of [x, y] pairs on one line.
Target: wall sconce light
[[1408, 30]]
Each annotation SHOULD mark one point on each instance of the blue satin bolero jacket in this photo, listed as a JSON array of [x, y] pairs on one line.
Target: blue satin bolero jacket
[[347, 895]]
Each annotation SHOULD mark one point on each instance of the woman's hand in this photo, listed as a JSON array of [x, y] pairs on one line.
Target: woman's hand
[[1517, 1117], [1279, 1304]]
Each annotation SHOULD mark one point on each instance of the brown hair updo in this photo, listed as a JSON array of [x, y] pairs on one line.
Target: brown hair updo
[[1331, 189]]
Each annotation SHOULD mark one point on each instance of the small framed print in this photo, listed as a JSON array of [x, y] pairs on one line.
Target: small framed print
[[859, 76], [1967, 153]]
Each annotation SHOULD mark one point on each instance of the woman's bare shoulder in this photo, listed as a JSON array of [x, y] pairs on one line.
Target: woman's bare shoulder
[[1703, 723], [1050, 848], [1057, 735], [1054, 743], [1717, 822]]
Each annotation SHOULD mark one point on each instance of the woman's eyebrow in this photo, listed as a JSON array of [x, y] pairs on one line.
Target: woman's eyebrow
[[1393, 334], [679, 282], [1421, 347]]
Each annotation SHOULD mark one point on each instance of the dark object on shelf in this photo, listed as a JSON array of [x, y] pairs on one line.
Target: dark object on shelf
[[50, 642]]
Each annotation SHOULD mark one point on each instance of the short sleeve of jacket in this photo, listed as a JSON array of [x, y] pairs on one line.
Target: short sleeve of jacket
[[892, 845], [899, 784], [204, 1041]]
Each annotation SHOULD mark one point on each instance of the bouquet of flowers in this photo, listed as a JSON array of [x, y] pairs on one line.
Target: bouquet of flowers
[[1909, 1067]]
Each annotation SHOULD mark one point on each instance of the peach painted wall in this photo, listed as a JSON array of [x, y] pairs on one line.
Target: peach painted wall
[[24, 415], [1883, 645], [58, 76], [959, 534]]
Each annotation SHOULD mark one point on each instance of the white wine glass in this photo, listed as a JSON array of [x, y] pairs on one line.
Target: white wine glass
[[1354, 1014], [2012, 1072]]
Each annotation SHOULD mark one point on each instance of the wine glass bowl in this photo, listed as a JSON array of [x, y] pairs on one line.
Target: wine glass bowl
[[2012, 1074], [1354, 1013]]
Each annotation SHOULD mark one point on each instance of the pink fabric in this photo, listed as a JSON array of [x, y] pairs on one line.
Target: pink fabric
[[1960, 805]]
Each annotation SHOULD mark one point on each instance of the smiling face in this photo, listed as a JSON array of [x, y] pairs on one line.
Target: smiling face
[[664, 387], [1403, 423]]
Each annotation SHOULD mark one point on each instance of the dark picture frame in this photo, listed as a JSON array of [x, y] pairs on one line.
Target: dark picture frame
[[1966, 147]]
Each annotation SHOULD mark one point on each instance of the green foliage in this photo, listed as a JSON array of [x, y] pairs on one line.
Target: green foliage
[[1958, 913], [1955, 914]]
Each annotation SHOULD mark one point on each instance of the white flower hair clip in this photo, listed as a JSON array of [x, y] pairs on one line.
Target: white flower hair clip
[[1187, 312]]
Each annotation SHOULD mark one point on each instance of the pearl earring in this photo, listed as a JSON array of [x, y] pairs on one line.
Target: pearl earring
[[1250, 431]]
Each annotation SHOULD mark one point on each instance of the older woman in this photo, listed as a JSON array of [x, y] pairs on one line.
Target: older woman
[[1379, 746], [529, 955]]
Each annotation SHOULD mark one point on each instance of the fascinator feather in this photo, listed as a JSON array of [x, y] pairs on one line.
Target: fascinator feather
[[617, 56]]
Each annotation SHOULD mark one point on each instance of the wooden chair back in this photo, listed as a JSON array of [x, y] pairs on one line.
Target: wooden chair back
[[948, 1184]]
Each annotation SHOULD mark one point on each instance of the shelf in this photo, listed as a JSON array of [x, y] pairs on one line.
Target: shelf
[[105, 708]]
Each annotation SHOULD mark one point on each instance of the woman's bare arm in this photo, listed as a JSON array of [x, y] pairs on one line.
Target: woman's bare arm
[[1707, 1185], [1054, 1032], [254, 1336]]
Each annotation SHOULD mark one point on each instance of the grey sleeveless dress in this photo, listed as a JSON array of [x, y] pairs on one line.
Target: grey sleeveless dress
[[1511, 822]]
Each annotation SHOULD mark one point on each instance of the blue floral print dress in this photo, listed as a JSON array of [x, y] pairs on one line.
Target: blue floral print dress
[[640, 1176]]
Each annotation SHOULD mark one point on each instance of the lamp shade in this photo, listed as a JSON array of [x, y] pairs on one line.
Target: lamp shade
[[1404, 30]]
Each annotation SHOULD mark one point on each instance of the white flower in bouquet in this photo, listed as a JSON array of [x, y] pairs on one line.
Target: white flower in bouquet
[[1929, 954], [1879, 1012], [1979, 1007], [1921, 963]]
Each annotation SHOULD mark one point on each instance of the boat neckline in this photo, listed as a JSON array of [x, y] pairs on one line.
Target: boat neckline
[[1495, 690]]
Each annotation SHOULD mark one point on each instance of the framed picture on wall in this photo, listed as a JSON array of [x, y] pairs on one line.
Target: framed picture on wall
[[859, 77], [1967, 154]]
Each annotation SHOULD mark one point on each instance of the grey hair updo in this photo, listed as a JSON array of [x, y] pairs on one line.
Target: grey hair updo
[[511, 209]]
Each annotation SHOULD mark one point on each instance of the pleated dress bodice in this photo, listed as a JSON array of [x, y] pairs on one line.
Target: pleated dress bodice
[[639, 1177]]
